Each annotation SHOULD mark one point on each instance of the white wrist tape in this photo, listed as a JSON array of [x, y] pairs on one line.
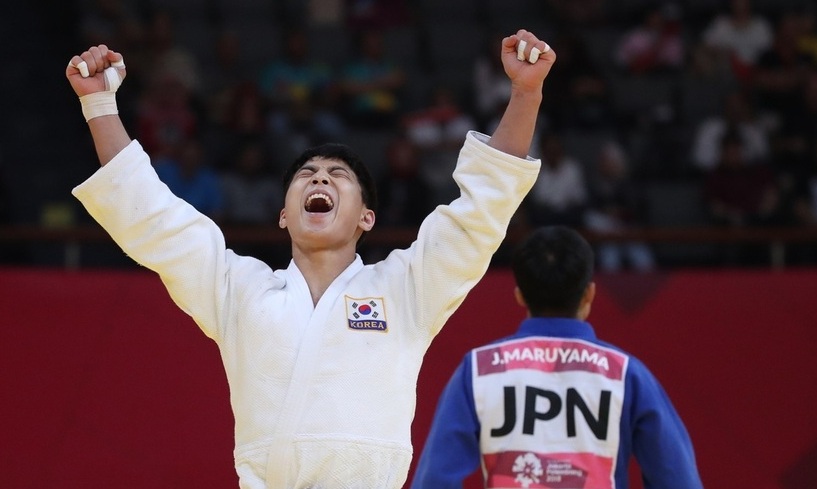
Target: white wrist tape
[[98, 104], [103, 103]]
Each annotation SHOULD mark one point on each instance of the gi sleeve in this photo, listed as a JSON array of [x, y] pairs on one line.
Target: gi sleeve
[[456, 242], [451, 451], [660, 441], [165, 234]]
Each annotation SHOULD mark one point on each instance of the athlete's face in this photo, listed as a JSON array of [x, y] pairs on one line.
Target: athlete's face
[[324, 208]]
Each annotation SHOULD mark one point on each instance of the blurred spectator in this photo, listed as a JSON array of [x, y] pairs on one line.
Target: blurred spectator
[[165, 117], [302, 97], [111, 22], [190, 178], [371, 84], [804, 211], [579, 13], [559, 195], [252, 196], [805, 207], [705, 62], [437, 131], [404, 197], [703, 86], [795, 142], [739, 37], [236, 110], [8, 251], [795, 162], [117, 24], [245, 118], [807, 37], [654, 46], [223, 74], [326, 12], [576, 96], [491, 85], [739, 194], [165, 57], [615, 205], [381, 14], [295, 75], [737, 116], [781, 72], [5, 201], [440, 124], [168, 110]]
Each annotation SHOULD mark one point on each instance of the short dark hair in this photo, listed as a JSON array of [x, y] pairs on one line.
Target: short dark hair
[[553, 267], [340, 152]]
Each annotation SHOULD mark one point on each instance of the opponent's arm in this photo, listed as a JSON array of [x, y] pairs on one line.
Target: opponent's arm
[[95, 75], [451, 451], [527, 61], [661, 443]]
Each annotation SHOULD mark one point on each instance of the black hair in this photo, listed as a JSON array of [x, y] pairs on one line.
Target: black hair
[[553, 267], [340, 152]]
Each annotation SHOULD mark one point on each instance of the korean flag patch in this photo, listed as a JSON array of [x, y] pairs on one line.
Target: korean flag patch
[[366, 314]]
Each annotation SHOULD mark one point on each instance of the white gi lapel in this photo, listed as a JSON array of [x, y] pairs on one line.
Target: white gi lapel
[[279, 459]]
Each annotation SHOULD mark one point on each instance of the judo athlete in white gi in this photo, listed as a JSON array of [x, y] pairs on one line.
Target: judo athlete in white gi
[[322, 357]]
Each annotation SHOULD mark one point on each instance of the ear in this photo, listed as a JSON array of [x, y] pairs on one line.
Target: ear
[[367, 219], [587, 301], [517, 294], [519, 299], [282, 219]]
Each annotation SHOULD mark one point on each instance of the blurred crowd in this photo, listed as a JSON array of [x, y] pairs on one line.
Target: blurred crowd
[[716, 98]]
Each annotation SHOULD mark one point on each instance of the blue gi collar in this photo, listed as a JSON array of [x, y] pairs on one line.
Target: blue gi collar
[[561, 327]]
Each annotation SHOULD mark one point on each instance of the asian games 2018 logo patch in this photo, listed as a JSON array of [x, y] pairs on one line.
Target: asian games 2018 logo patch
[[367, 314]]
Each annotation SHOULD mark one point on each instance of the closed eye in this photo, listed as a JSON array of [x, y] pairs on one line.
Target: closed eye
[[339, 172], [306, 172]]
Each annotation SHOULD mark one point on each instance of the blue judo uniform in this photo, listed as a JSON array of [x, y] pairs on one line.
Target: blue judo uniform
[[552, 406]]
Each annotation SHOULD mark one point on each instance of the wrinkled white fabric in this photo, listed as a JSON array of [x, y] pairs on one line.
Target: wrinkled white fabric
[[323, 395]]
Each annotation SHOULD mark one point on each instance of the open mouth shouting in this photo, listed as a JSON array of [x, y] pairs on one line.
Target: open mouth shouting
[[319, 202]]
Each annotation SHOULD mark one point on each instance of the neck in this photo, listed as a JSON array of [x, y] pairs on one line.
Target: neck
[[321, 268]]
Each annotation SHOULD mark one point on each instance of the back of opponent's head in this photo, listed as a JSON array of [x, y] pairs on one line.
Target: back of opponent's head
[[553, 267]]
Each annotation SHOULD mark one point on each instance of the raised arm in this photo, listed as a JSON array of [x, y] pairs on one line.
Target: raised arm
[[95, 75], [527, 61], [154, 227]]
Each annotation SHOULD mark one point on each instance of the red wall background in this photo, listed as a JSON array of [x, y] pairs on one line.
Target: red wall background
[[106, 384]]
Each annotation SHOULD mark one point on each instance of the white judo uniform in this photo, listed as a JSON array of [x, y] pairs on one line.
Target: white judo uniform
[[324, 395]]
